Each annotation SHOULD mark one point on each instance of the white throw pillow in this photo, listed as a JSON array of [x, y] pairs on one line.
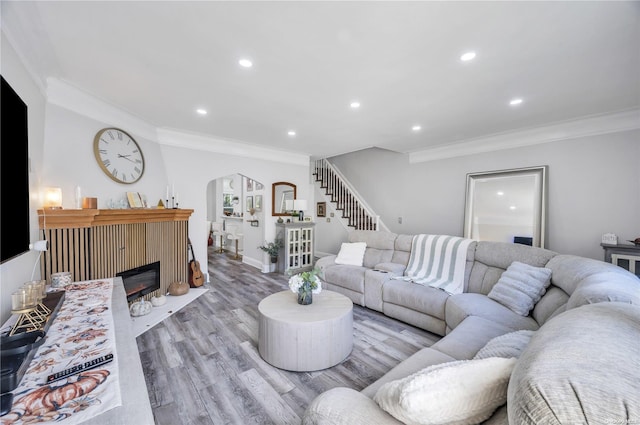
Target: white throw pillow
[[464, 392], [520, 287], [351, 253]]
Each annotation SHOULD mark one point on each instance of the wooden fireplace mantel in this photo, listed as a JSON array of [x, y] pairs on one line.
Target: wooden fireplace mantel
[[97, 244], [72, 218]]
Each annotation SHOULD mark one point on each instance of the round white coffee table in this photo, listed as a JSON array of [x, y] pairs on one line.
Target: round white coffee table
[[304, 338]]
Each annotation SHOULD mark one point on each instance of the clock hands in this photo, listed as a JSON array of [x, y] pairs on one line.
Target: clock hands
[[126, 157]]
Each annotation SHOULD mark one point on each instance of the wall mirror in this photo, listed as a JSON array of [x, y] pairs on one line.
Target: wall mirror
[[507, 206], [280, 193]]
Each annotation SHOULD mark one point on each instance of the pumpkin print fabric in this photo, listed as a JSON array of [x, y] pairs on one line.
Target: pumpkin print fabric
[[82, 330]]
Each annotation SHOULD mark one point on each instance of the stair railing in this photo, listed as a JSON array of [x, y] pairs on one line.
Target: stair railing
[[355, 211]]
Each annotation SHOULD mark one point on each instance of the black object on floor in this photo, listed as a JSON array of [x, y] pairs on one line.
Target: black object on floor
[[6, 401]]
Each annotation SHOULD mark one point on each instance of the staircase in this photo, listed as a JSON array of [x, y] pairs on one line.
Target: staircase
[[355, 213]]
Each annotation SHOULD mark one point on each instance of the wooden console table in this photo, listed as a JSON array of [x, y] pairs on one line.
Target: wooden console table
[[98, 244]]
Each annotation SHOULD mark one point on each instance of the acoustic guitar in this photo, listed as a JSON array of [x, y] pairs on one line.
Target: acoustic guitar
[[196, 278]]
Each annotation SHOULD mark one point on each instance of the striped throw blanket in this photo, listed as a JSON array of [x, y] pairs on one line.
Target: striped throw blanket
[[438, 261]]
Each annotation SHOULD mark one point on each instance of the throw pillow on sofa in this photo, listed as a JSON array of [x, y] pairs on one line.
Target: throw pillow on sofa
[[520, 287], [507, 345], [351, 253], [464, 392]]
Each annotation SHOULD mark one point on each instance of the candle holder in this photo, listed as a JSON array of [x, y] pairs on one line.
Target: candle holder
[[40, 289], [25, 302]]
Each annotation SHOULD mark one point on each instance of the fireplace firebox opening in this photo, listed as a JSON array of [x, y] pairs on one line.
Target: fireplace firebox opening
[[141, 280]]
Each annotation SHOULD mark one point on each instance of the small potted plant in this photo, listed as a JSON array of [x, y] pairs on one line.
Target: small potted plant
[[306, 284], [272, 249]]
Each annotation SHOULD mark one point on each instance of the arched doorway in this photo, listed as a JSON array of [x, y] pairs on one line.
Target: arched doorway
[[235, 208]]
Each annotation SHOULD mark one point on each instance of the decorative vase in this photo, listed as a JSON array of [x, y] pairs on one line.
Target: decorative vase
[[305, 295], [140, 308]]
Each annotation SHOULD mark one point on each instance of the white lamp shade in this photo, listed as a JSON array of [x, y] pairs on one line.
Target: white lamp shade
[[288, 205], [300, 205]]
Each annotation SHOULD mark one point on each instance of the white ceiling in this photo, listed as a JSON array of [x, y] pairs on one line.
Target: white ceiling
[[160, 60]]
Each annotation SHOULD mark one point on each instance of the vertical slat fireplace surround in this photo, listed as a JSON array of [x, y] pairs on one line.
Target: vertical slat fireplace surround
[[98, 244]]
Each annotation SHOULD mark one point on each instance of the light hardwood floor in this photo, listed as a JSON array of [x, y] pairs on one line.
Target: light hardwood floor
[[202, 364]]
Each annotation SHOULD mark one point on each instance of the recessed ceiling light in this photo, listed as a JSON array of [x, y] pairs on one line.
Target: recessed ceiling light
[[500, 193], [245, 63], [515, 102], [355, 105], [291, 133], [201, 111], [468, 56], [512, 207], [416, 128]]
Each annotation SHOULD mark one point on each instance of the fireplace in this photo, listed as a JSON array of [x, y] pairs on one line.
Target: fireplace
[[141, 280]]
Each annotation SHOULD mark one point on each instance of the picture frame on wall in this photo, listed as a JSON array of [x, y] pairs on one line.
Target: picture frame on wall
[[258, 203], [249, 203], [249, 185], [321, 209]]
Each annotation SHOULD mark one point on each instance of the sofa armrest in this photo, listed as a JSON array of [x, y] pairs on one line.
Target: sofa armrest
[[323, 262], [394, 268], [344, 406]]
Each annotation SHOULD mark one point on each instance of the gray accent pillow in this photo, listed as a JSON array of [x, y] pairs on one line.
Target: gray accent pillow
[[507, 345], [520, 287]]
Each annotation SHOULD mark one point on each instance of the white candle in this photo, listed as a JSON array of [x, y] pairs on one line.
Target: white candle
[[167, 197], [173, 189]]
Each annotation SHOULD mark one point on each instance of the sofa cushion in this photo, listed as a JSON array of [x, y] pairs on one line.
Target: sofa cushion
[[379, 246], [351, 254], [463, 392], [469, 337], [350, 277], [424, 299], [402, 249], [570, 270], [394, 268], [414, 363], [581, 367], [507, 345], [493, 258], [606, 286], [460, 306], [549, 304], [520, 287], [345, 406]]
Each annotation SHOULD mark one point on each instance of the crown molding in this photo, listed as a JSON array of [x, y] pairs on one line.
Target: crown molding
[[70, 97], [584, 127], [176, 138]]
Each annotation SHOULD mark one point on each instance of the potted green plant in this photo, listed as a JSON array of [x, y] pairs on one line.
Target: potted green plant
[[272, 248]]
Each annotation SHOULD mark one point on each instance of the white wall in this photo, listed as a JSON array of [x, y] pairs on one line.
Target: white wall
[[330, 233], [70, 161], [594, 188], [15, 272], [193, 170]]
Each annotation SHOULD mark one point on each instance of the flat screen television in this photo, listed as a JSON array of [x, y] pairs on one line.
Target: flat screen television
[[141, 280], [14, 174]]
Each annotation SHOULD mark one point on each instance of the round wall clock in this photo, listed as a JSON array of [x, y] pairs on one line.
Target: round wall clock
[[119, 155]]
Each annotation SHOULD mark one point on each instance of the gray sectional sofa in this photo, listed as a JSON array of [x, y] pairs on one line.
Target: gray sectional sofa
[[595, 361]]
